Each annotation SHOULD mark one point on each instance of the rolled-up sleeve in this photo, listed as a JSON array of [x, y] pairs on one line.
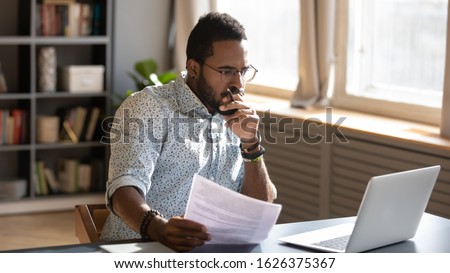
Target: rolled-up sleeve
[[136, 137]]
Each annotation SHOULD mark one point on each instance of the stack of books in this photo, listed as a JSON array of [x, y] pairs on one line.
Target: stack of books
[[71, 176], [13, 126], [66, 18], [79, 123]]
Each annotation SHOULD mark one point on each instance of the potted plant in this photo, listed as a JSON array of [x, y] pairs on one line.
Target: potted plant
[[145, 74]]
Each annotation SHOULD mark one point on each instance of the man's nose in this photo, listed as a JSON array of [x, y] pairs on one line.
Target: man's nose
[[238, 81]]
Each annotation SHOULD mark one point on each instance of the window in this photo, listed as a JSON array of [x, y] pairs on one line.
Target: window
[[273, 31], [395, 57]]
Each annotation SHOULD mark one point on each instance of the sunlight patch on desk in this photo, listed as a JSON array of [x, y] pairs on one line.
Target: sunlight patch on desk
[[144, 247]]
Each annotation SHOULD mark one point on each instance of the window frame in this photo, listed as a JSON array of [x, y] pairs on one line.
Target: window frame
[[259, 89], [342, 99]]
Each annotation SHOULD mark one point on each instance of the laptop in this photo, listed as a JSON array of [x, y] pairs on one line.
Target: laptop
[[390, 212]]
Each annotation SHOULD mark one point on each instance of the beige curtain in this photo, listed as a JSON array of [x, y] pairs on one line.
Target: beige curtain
[[186, 13], [316, 55], [445, 112]]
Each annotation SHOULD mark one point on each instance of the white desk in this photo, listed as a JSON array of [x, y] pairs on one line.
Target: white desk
[[433, 236]]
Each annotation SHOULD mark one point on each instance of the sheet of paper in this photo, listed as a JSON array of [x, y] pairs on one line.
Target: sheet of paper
[[231, 217]]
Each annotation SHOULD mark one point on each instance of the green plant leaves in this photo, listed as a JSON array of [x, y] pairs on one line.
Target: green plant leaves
[[146, 74], [146, 67], [167, 77]]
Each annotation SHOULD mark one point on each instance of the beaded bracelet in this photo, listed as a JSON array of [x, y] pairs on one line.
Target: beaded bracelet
[[148, 217]]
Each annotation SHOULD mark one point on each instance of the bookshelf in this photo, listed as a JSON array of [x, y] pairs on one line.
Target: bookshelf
[[21, 40]]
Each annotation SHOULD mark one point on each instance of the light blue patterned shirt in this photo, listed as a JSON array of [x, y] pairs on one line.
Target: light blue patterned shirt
[[160, 137]]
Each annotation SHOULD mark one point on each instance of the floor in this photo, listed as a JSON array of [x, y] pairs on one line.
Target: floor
[[37, 230]]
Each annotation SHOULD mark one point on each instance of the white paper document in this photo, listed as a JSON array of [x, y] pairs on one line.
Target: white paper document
[[231, 217]]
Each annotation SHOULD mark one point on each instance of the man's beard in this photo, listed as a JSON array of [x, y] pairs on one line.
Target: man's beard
[[206, 94]]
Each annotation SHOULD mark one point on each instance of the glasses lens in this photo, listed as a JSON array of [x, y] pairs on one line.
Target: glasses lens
[[248, 74], [228, 75]]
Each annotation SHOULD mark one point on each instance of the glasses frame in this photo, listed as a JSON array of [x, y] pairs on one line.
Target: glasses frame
[[222, 72]]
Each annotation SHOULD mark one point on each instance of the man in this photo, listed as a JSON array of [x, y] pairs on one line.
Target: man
[[169, 133]]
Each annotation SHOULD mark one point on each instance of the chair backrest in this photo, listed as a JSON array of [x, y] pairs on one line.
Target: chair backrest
[[89, 220]]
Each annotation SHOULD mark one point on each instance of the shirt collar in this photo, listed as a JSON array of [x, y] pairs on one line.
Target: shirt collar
[[187, 101]]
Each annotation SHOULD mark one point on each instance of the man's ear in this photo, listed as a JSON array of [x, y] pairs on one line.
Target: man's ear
[[193, 68]]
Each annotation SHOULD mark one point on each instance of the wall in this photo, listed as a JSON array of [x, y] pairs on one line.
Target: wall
[[141, 30]]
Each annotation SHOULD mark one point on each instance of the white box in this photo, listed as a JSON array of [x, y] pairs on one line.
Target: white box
[[82, 78], [13, 188]]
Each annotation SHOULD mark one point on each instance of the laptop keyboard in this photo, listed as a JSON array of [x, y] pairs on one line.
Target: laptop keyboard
[[339, 243]]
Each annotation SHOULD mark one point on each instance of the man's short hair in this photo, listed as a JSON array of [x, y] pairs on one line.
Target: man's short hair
[[212, 27]]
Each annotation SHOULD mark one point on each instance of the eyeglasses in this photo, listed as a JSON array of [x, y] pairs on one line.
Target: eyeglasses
[[227, 75]]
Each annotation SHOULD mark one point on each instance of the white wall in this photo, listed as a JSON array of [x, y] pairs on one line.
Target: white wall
[[140, 31]]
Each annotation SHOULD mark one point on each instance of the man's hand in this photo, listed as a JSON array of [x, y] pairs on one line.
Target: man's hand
[[244, 122], [178, 233]]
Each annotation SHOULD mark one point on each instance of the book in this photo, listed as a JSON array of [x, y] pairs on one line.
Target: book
[[74, 120], [9, 130], [64, 117], [37, 189], [85, 176], [85, 20], [17, 116], [64, 18], [44, 20], [79, 121], [70, 133], [58, 1], [4, 125], [56, 18], [51, 18], [43, 187], [51, 180], [74, 20], [96, 19], [92, 123], [67, 173], [61, 19], [23, 128], [18, 134]]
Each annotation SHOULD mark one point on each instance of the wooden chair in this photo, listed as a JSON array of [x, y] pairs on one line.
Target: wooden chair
[[89, 220]]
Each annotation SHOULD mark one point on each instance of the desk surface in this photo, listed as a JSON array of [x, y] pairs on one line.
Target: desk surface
[[433, 236]]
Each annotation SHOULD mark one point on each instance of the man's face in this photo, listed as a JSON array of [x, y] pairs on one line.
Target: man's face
[[227, 55]]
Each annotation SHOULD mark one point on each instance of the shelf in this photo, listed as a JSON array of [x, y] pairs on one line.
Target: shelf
[[89, 40], [13, 148], [20, 53], [15, 40], [15, 96], [55, 146], [87, 144], [54, 40], [69, 95]]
